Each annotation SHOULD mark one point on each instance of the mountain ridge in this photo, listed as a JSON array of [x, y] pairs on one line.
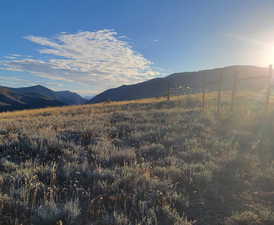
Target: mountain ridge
[[36, 96], [184, 82]]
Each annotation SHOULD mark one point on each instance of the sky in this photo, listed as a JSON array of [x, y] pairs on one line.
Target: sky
[[88, 46]]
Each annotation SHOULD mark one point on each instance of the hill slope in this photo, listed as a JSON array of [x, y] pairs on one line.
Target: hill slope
[[35, 97], [183, 82], [147, 162], [66, 97], [70, 98]]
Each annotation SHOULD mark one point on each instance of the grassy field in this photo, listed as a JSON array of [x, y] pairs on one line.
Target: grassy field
[[144, 162]]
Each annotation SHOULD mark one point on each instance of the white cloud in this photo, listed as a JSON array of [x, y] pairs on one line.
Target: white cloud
[[102, 59]]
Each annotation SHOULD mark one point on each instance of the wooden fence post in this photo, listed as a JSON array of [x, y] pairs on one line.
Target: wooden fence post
[[220, 93], [203, 93], [168, 91], [269, 86], [234, 90]]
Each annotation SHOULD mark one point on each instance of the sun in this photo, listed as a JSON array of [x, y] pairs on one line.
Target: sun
[[266, 55]]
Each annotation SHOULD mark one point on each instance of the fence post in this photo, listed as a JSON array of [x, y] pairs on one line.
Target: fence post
[[269, 85], [220, 93], [203, 93], [234, 90], [168, 90]]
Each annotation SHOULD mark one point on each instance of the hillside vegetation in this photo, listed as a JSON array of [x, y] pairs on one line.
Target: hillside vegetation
[[147, 162], [187, 82], [35, 97]]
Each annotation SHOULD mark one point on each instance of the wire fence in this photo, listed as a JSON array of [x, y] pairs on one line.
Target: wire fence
[[236, 81]]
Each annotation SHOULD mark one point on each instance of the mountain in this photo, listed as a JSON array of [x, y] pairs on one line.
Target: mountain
[[70, 98], [35, 97], [10, 100], [186, 82], [38, 89], [88, 97], [67, 97]]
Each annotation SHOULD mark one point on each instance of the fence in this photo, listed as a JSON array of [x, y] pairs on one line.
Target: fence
[[235, 84]]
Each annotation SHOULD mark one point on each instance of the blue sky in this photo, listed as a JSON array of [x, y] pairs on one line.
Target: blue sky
[[88, 46]]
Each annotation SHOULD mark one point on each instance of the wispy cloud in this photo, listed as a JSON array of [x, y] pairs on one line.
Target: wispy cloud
[[12, 81], [102, 59], [9, 80]]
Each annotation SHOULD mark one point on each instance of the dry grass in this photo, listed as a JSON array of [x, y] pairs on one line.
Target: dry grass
[[142, 162]]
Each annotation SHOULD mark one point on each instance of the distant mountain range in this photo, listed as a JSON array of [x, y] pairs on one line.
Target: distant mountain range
[[35, 97], [187, 82], [88, 97], [178, 83]]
